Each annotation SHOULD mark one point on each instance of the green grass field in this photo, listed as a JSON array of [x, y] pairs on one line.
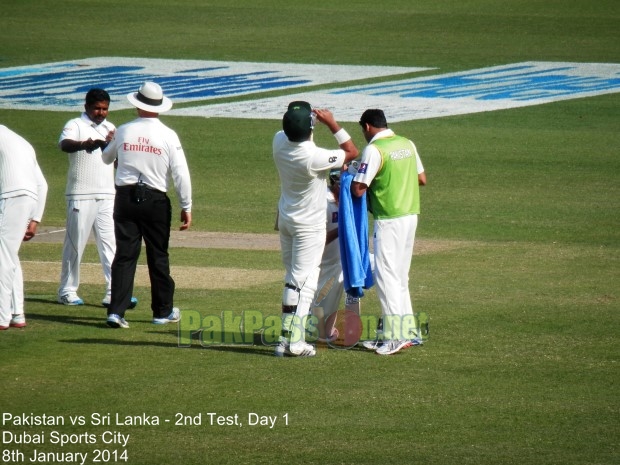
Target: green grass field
[[519, 274]]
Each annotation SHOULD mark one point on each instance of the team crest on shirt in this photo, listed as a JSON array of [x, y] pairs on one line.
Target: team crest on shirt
[[362, 168], [334, 217]]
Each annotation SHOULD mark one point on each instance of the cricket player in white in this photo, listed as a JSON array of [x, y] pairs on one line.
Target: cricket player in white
[[391, 173], [303, 168], [90, 195], [328, 298], [330, 283], [23, 191]]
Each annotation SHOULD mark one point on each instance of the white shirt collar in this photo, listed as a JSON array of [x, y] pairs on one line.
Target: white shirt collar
[[380, 135]]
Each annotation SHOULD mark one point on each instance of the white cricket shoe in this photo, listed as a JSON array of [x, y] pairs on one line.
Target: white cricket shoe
[[372, 345], [115, 321], [18, 321], [175, 316], [391, 347], [296, 349], [70, 298]]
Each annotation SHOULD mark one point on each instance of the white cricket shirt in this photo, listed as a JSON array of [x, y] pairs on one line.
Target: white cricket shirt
[[303, 168], [88, 177], [20, 173]]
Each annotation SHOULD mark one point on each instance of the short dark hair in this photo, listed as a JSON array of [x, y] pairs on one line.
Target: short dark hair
[[97, 95], [374, 117]]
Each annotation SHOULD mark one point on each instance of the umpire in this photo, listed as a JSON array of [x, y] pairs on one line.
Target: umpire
[[149, 154]]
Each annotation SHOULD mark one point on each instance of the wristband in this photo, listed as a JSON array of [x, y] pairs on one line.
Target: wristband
[[342, 136]]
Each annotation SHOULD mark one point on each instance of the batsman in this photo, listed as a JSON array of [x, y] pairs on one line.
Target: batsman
[[303, 168]]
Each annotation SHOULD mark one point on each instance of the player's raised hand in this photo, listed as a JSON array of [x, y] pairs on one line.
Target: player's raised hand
[[324, 115], [327, 118]]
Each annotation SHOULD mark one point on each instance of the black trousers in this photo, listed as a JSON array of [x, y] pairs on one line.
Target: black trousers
[[149, 219]]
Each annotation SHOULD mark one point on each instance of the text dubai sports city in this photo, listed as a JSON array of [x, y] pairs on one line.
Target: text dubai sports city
[[63, 439]]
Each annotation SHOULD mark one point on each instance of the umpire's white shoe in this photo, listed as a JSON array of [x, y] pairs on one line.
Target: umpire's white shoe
[[175, 315], [115, 321], [296, 349]]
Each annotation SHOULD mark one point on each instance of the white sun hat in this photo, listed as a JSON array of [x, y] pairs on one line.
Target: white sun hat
[[151, 98]]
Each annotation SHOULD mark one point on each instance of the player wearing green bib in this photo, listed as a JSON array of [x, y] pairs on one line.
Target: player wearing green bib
[[391, 172], [395, 191]]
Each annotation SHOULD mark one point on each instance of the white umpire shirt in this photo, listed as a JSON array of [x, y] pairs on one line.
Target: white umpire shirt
[[149, 151], [303, 168]]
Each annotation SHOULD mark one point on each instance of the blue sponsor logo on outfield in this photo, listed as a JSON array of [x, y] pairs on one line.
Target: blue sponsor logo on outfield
[[62, 86], [67, 87], [473, 91], [524, 82]]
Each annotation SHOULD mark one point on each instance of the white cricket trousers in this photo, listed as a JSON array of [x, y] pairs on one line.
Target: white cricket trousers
[[84, 216], [302, 249], [328, 298], [15, 214], [393, 248], [330, 288]]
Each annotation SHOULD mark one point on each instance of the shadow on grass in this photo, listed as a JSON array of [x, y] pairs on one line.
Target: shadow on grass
[[55, 302], [240, 348], [257, 346], [74, 319], [79, 320]]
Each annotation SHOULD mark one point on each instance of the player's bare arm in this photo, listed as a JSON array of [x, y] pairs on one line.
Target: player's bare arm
[[422, 179], [90, 145], [186, 220], [327, 118], [331, 236], [358, 188]]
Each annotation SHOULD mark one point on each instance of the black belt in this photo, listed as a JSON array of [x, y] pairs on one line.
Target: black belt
[[132, 187], [141, 192]]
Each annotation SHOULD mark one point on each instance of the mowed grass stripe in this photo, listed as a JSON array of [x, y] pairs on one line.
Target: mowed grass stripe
[[201, 277], [185, 277]]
